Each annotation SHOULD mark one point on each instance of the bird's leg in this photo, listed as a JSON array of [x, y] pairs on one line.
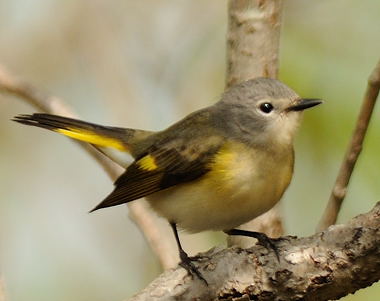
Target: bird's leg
[[262, 238], [185, 259]]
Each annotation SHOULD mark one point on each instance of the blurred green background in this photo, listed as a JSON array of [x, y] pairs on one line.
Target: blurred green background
[[145, 64]]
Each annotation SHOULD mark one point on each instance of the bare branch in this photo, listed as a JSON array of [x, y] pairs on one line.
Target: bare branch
[[354, 148], [253, 40], [325, 266], [145, 219]]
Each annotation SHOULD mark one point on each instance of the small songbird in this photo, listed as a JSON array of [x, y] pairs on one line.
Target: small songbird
[[216, 169]]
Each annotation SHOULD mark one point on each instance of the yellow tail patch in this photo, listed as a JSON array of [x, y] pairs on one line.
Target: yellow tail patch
[[147, 163], [92, 138]]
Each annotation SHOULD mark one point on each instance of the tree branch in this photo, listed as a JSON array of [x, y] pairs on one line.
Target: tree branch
[[325, 266], [154, 232], [253, 40], [353, 151]]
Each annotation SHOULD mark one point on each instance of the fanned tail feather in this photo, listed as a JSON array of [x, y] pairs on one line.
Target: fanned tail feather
[[103, 136]]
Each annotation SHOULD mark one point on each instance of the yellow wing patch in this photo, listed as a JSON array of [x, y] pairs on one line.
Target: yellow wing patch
[[147, 163], [92, 138], [222, 165], [230, 167]]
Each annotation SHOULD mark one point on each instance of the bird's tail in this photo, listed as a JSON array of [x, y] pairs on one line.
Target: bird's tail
[[102, 136]]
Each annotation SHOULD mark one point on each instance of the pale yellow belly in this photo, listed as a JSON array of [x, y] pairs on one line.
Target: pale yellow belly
[[240, 188]]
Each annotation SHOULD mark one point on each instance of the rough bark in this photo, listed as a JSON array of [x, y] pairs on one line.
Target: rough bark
[[325, 266], [253, 40]]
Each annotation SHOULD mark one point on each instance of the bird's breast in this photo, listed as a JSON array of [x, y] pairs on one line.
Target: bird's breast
[[242, 184]]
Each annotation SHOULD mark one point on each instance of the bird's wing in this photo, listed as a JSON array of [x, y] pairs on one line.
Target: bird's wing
[[162, 166]]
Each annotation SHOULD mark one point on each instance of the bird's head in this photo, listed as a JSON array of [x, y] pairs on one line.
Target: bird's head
[[267, 108]]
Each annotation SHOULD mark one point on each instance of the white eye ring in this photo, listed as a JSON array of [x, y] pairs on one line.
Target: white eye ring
[[266, 107]]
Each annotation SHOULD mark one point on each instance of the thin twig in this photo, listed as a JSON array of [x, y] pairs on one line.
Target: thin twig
[[340, 187], [154, 232]]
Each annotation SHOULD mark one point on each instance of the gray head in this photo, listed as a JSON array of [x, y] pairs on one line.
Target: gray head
[[266, 109]]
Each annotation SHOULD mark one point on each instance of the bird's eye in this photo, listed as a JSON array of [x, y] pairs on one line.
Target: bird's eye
[[266, 107]]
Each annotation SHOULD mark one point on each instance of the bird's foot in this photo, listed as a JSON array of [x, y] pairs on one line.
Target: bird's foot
[[199, 257], [268, 243], [263, 239], [186, 263]]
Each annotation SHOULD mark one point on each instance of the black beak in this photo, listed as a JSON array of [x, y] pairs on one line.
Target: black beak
[[305, 103]]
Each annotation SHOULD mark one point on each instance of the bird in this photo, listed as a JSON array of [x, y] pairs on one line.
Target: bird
[[216, 169]]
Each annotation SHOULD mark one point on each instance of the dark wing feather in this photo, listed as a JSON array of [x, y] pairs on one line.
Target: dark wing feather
[[174, 165]]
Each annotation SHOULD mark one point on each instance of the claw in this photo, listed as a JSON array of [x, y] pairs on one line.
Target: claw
[[268, 243], [262, 238], [186, 263]]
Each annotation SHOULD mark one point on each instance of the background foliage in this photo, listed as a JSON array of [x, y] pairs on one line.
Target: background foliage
[[145, 64]]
